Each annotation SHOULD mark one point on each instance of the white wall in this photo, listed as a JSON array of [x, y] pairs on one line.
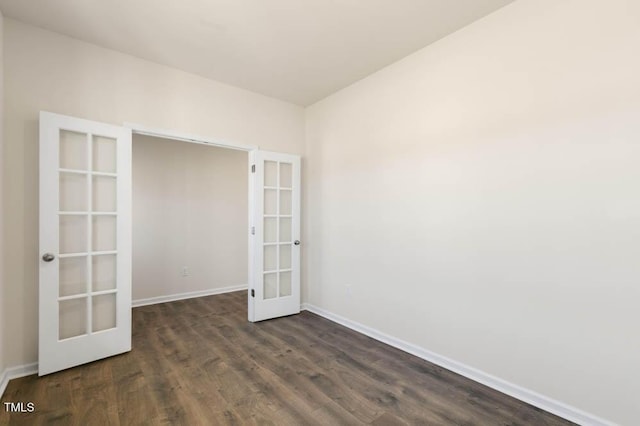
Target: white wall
[[480, 199], [46, 71], [190, 209]]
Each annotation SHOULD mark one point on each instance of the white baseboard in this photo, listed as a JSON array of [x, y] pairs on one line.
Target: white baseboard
[[15, 373], [189, 295], [530, 397]]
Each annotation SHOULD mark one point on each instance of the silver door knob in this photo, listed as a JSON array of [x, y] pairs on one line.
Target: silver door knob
[[48, 257], [296, 242]]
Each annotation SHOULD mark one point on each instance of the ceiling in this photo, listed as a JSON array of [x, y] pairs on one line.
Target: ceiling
[[296, 50]]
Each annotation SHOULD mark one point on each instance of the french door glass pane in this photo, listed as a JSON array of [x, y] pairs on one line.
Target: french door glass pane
[[285, 229], [270, 173], [103, 271], [104, 154], [73, 192], [285, 202], [73, 234], [270, 258], [104, 194], [286, 176], [285, 284], [103, 312], [104, 233], [73, 276], [270, 285], [73, 150], [270, 201], [270, 230], [285, 256], [72, 318]]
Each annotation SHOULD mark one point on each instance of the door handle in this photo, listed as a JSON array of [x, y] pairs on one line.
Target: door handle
[[48, 257], [296, 242]]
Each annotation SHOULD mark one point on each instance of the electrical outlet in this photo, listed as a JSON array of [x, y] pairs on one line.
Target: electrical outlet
[[185, 271]]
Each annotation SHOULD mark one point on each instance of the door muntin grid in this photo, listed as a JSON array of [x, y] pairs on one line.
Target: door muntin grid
[[87, 218], [277, 229]]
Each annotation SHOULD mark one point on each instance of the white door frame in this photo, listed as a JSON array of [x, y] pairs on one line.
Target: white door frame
[[138, 129]]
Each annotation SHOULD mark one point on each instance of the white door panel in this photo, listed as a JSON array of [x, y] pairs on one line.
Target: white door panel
[[275, 245], [85, 241]]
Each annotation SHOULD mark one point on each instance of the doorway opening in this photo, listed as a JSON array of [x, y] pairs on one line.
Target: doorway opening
[[189, 217]]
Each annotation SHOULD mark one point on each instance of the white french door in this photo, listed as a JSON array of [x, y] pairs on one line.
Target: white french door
[[85, 241], [274, 271]]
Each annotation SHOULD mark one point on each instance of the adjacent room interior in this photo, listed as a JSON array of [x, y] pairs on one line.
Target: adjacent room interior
[[190, 220], [408, 212]]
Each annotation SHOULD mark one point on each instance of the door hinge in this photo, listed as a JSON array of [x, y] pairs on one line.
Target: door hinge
[[253, 293], [253, 230], [253, 168]]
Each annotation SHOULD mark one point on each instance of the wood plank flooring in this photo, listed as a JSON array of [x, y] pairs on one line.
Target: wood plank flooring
[[199, 362]]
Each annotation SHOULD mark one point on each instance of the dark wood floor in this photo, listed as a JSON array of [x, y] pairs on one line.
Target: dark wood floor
[[199, 362]]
